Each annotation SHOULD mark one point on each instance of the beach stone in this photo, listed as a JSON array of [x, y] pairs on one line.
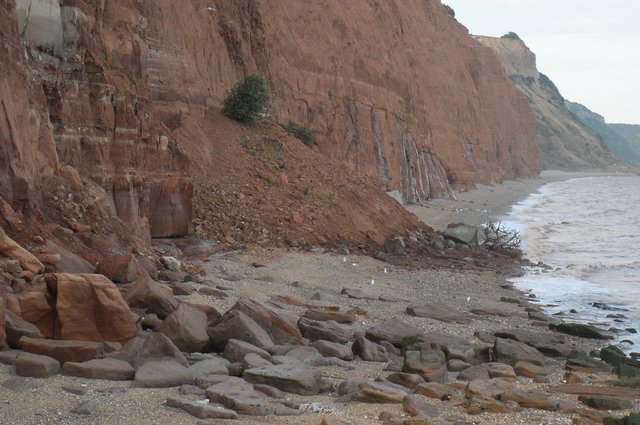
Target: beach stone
[[612, 355], [430, 364], [282, 410], [63, 351], [16, 328], [270, 391], [499, 370], [187, 328], [236, 350], [162, 374], [473, 373], [605, 403], [86, 407], [581, 330], [435, 390], [369, 351], [379, 392], [325, 315], [549, 344], [530, 399], [297, 379], [156, 347], [171, 263], [407, 380], [416, 405], [394, 331], [357, 294], [36, 366], [238, 395], [308, 355], [581, 359], [455, 365], [201, 410], [491, 388], [237, 325], [329, 331], [212, 366], [20, 384], [36, 307], [152, 297], [110, 369], [530, 370], [280, 329], [462, 233], [333, 349], [9, 357], [511, 352], [441, 312], [252, 360]]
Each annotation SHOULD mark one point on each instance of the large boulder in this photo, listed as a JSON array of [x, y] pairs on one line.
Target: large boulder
[[235, 350], [548, 343], [462, 233], [63, 351], [9, 248], [291, 377], [152, 297], [369, 351], [237, 325], [187, 328], [280, 329], [379, 392], [89, 307]]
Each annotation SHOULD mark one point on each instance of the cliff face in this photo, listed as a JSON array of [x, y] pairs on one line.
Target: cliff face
[[396, 90], [565, 142], [617, 142]]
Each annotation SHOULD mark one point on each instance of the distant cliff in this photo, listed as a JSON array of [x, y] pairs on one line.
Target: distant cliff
[[565, 142], [611, 135]]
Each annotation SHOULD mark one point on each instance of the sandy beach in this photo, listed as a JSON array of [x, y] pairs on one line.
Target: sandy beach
[[483, 299]]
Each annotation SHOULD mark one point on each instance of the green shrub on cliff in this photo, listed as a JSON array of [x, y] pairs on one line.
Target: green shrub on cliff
[[247, 99]]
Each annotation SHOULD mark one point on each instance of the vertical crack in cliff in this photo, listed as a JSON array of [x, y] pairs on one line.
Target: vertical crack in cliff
[[383, 169]]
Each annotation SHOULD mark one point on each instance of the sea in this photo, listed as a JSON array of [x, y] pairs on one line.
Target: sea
[[586, 232]]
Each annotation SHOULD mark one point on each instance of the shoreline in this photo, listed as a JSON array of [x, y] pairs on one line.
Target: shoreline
[[485, 202]]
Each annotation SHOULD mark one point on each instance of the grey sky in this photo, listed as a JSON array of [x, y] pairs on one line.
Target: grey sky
[[589, 48]]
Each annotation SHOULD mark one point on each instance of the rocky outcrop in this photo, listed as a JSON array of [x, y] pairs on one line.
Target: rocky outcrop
[[564, 141]]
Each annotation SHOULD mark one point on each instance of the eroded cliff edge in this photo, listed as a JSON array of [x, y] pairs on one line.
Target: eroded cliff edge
[[565, 142]]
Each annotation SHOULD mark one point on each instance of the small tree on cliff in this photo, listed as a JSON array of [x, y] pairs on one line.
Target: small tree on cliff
[[247, 100]]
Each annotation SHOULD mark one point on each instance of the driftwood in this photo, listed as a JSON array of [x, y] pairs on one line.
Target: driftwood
[[498, 238]]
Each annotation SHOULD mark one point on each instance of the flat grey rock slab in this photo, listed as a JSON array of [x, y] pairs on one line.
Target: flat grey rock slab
[[20, 384], [162, 374], [288, 377], [437, 311], [238, 395], [110, 369]]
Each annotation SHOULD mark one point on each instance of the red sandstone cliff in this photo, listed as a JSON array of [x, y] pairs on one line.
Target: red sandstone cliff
[[119, 89]]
